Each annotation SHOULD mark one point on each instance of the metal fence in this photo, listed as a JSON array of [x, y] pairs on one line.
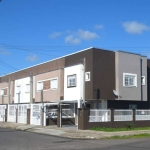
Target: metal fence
[[123, 115], [68, 113], [142, 114], [36, 114], [22, 113], [97, 115], [51, 113], [2, 112]]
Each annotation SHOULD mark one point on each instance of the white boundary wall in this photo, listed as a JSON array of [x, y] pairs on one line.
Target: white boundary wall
[[142, 114], [123, 115], [99, 115]]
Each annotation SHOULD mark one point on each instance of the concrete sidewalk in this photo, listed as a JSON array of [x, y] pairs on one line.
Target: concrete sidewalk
[[68, 132]]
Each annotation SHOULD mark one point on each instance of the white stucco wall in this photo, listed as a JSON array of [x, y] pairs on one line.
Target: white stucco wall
[[24, 96], [74, 93]]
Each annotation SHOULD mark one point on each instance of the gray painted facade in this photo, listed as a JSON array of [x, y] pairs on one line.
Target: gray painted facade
[[130, 63]]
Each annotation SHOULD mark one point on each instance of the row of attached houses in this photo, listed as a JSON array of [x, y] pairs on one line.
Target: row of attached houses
[[113, 79]]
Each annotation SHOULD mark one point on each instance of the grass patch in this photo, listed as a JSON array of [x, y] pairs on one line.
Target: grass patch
[[118, 129], [142, 135]]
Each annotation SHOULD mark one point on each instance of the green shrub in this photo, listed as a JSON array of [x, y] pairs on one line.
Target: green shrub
[[129, 125]]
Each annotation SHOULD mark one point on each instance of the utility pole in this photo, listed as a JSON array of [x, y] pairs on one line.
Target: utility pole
[[31, 88], [9, 91], [84, 64], [42, 117]]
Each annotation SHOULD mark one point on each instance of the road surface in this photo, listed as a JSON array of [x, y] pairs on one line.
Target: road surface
[[21, 140]]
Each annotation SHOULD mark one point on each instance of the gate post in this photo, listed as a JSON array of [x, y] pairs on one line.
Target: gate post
[[59, 116], [5, 115], [17, 115], [134, 113], [28, 116], [43, 118], [83, 118], [112, 117]]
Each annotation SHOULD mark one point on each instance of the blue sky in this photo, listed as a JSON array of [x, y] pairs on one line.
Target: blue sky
[[33, 31]]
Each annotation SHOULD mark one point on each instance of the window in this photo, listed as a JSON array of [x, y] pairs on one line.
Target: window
[[129, 80], [4, 91], [40, 86], [54, 83], [87, 76], [47, 84], [18, 89], [71, 79], [27, 88], [143, 80]]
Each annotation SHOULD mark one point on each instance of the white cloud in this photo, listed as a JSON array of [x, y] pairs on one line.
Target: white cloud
[[55, 35], [100, 26], [87, 35], [80, 35], [3, 51], [134, 27], [32, 58], [71, 39]]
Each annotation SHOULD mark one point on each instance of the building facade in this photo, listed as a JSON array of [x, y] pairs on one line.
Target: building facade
[[63, 79]]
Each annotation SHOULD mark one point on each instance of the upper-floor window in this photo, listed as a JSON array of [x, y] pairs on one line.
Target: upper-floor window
[[71, 80], [4, 91], [54, 84], [129, 80], [40, 86], [47, 84], [143, 80], [87, 76], [18, 89], [27, 88]]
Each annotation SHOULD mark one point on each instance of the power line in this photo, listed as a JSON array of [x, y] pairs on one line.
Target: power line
[[8, 66]]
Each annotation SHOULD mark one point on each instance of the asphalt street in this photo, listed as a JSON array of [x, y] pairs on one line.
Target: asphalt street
[[21, 140]]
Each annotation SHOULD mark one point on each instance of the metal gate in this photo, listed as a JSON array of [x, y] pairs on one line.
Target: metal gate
[[22, 113], [12, 113], [2, 112], [36, 114]]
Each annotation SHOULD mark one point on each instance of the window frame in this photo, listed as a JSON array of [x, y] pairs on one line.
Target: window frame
[[37, 86], [51, 84], [89, 76], [3, 91], [143, 83], [130, 74], [75, 81]]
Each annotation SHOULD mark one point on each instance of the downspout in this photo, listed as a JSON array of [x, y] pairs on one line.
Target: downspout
[[141, 80]]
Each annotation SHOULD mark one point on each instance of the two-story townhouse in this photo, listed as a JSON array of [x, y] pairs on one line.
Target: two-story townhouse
[[62, 80]]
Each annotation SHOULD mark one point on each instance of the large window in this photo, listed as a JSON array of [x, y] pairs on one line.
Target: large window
[[47, 84], [71, 79], [129, 80]]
